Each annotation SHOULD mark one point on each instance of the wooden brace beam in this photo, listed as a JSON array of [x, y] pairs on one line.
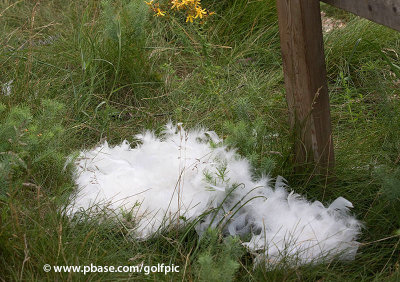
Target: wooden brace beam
[[385, 12]]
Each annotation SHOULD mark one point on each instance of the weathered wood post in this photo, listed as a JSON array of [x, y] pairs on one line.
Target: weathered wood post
[[305, 80]]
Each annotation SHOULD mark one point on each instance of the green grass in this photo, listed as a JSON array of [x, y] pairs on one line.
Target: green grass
[[87, 70]]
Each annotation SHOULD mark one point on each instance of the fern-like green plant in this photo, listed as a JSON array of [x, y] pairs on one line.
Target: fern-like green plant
[[31, 146], [124, 26], [251, 139], [218, 257]]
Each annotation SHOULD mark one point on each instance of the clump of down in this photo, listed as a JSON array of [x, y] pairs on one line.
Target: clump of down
[[191, 174]]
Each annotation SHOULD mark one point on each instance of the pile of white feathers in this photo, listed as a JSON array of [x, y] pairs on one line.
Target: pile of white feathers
[[181, 176]]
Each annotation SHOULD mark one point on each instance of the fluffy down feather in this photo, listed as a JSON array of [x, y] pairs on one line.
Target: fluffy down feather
[[186, 174]]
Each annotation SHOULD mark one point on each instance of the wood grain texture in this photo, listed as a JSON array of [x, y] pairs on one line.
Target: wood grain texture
[[305, 80], [385, 12]]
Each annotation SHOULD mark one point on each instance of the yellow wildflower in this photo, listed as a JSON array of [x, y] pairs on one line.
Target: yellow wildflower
[[159, 12], [175, 4], [200, 12], [192, 9], [189, 18]]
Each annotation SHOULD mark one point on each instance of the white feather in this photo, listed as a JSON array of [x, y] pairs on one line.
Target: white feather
[[181, 174]]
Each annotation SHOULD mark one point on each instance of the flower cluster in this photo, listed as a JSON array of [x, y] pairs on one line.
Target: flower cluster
[[156, 8], [192, 8]]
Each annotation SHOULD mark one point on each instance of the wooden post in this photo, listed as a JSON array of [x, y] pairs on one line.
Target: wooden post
[[305, 80]]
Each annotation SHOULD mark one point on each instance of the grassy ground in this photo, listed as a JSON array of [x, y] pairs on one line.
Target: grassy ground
[[83, 71]]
